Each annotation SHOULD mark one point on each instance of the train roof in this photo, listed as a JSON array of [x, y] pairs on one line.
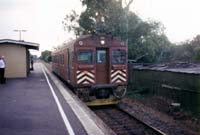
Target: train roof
[[70, 44]]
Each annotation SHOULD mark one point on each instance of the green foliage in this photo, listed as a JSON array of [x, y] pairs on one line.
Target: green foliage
[[182, 52], [188, 51], [197, 54], [46, 56], [110, 16], [148, 38]]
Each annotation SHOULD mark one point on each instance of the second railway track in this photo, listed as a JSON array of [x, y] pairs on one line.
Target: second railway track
[[122, 123]]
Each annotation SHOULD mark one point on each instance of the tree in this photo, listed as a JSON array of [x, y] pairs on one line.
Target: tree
[[114, 17], [105, 16], [46, 56], [187, 51]]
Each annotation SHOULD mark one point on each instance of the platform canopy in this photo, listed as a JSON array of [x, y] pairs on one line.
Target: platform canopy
[[29, 45]]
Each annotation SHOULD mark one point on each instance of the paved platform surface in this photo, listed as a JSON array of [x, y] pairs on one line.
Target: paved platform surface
[[28, 107]]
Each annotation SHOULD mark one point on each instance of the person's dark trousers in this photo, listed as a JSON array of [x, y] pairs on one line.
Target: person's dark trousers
[[2, 77]]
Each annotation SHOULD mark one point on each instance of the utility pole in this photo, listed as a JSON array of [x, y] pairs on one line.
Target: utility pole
[[20, 31]]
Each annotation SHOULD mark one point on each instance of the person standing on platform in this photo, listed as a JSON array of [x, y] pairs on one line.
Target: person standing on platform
[[32, 62], [2, 70]]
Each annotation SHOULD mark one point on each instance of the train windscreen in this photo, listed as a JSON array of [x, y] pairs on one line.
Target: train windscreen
[[85, 56], [118, 57]]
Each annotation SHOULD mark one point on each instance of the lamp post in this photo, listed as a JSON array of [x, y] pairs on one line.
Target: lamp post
[[20, 31]]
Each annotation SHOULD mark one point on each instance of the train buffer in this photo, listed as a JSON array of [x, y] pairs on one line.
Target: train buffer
[[41, 105]]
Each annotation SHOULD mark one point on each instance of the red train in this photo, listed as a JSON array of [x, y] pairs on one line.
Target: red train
[[95, 66]]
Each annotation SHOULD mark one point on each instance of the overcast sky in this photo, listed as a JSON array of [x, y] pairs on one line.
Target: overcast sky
[[42, 18]]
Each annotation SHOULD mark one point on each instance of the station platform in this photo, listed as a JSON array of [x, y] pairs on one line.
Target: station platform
[[42, 105]]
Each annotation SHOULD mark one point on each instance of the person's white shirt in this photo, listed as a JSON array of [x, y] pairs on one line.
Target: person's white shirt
[[2, 63]]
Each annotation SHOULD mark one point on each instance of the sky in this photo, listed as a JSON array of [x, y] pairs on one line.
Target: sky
[[43, 19]]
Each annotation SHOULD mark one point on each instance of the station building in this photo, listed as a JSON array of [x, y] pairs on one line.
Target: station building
[[17, 57]]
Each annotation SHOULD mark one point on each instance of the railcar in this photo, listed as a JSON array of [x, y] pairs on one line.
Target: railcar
[[95, 66]]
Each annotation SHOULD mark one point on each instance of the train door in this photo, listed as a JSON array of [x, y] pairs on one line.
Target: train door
[[68, 66], [102, 66]]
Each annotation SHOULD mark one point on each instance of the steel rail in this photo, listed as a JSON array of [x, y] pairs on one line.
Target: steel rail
[[144, 123]]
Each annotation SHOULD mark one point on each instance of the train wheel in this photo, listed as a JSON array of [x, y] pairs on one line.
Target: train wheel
[[119, 92]]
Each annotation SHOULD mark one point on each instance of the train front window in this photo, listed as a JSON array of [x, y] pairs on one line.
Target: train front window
[[85, 56], [118, 57]]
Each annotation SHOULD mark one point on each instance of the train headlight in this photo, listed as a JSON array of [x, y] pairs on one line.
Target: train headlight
[[122, 43], [119, 92], [102, 42], [80, 42]]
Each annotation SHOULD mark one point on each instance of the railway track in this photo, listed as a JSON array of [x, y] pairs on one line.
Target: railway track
[[124, 124]]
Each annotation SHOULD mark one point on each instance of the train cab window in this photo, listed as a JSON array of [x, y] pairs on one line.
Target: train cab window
[[118, 56], [101, 56], [85, 56]]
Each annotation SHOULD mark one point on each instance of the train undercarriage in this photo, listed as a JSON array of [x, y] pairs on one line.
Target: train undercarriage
[[101, 94]]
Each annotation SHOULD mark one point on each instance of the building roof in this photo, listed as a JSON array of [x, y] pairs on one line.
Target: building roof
[[29, 45]]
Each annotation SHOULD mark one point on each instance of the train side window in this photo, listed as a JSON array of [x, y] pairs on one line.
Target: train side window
[[59, 59], [63, 58], [85, 56]]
